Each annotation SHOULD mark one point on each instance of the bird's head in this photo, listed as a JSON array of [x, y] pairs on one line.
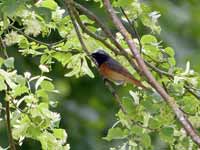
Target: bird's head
[[100, 56]]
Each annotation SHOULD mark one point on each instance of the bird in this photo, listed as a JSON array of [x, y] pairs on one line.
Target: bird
[[112, 70]]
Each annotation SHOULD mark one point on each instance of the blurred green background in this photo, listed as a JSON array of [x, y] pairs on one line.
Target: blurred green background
[[86, 106]]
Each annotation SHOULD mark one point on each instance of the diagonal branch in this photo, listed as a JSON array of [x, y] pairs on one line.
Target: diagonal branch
[[105, 29], [152, 81], [95, 36], [133, 27]]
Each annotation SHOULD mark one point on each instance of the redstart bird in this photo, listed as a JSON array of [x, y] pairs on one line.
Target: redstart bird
[[112, 70]]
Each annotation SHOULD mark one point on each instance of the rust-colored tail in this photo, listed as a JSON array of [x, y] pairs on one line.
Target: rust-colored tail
[[136, 82]]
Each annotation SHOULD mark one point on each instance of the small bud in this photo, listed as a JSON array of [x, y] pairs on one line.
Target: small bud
[[27, 75], [44, 68]]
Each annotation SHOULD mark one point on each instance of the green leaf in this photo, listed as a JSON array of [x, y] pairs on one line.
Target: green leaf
[[47, 85], [48, 141], [169, 51], [43, 94], [86, 69], [45, 59], [122, 3], [51, 4], [7, 78], [146, 39], [116, 133], [19, 90], [9, 62], [44, 12], [128, 105], [150, 106], [63, 58], [150, 47], [74, 65], [136, 130], [20, 127], [20, 80], [149, 18], [146, 140], [1, 61], [40, 80], [2, 84], [166, 134], [154, 124], [60, 134], [189, 101], [172, 61], [10, 7], [23, 43], [72, 73], [33, 131]]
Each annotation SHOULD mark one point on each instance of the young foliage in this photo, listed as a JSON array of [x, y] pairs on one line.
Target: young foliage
[[31, 116], [29, 27]]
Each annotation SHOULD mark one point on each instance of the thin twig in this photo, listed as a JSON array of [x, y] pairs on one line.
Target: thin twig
[[104, 28], [191, 92], [133, 28], [151, 80], [3, 47], [117, 98], [11, 141], [49, 45], [70, 11], [95, 36], [159, 71]]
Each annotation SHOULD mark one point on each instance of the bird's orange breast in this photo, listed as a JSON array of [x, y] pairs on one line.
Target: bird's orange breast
[[110, 74]]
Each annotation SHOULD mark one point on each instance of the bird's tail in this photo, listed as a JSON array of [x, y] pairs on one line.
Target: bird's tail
[[136, 82]]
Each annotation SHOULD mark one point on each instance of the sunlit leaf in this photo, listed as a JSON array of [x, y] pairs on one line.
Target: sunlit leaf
[[9, 62], [115, 133]]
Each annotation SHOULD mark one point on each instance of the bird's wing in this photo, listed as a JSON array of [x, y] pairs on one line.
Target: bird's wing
[[115, 66], [125, 75]]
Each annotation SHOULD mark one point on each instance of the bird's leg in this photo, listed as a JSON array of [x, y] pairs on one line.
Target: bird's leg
[[105, 80]]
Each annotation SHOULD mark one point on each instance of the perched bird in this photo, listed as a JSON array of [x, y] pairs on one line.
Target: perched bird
[[112, 70]]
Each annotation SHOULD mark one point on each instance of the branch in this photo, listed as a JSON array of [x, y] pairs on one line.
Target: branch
[[49, 45], [132, 27], [11, 141], [117, 98], [3, 47], [105, 29], [151, 80], [95, 36], [190, 90]]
